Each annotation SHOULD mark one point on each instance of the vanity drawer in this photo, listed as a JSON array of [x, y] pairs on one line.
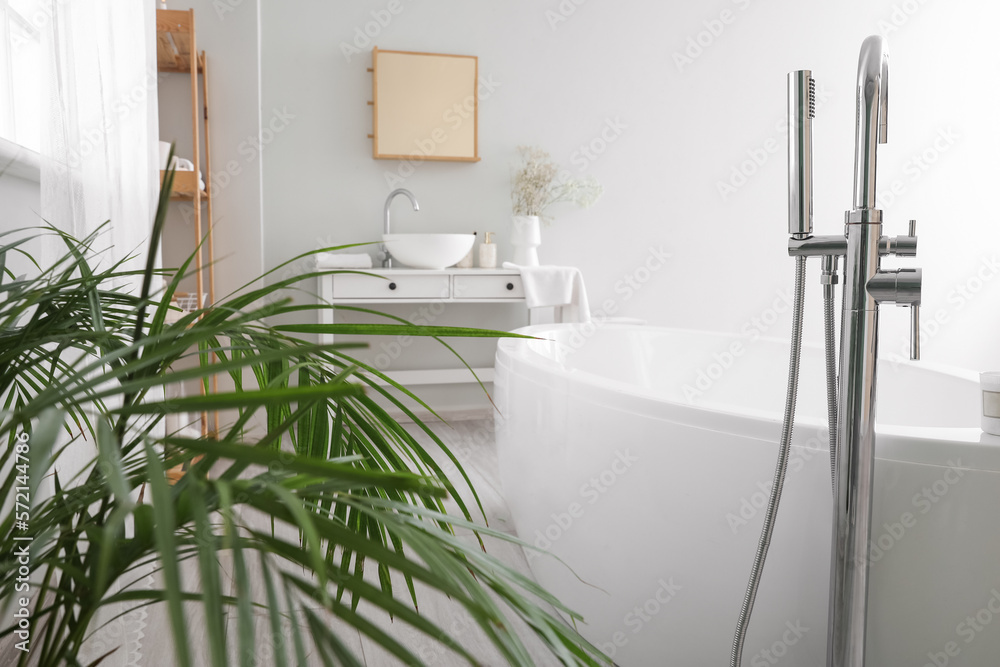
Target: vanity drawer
[[488, 287], [354, 286]]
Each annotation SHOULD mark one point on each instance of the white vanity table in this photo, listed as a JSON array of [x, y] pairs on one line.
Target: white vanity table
[[450, 287]]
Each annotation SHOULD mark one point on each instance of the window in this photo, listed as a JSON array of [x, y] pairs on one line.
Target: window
[[21, 71]]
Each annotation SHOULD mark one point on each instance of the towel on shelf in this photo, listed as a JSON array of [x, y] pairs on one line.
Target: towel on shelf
[[180, 164], [555, 286], [343, 260]]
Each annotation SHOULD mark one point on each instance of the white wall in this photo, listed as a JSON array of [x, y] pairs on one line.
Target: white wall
[[684, 129]]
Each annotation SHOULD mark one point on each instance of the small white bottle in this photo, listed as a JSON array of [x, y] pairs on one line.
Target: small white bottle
[[466, 262], [488, 253]]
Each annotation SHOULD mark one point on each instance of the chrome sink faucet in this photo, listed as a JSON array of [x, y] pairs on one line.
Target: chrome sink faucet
[[866, 286], [386, 257]]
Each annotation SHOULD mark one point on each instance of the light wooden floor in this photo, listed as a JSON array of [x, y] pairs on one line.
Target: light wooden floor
[[145, 638]]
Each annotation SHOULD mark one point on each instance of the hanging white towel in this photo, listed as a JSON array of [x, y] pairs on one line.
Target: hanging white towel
[[343, 260], [555, 286]]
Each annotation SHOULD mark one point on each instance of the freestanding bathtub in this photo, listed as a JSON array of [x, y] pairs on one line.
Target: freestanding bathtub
[[642, 457]]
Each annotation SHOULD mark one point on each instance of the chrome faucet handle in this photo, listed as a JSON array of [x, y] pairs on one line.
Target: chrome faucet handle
[[901, 246], [898, 286], [901, 287], [914, 307]]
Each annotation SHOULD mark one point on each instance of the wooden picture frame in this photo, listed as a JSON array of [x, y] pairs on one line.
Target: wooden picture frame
[[425, 106]]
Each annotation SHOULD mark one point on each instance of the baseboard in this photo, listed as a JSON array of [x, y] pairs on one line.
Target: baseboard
[[448, 415]]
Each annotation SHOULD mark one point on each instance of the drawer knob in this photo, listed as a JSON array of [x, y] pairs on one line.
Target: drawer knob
[[392, 285], [510, 286]]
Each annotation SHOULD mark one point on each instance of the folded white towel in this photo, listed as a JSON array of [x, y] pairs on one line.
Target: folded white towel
[[555, 286], [343, 260], [180, 164]]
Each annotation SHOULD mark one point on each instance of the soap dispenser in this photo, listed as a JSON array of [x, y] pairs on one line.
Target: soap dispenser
[[488, 253]]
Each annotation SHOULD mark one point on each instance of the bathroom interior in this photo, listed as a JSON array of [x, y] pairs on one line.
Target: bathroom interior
[[631, 443]]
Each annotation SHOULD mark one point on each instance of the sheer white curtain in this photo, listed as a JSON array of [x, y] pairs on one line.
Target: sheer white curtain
[[99, 125], [100, 164]]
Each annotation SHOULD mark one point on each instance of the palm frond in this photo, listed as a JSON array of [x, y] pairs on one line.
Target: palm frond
[[354, 504]]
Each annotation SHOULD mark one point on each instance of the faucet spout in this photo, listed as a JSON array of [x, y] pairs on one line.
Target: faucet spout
[[872, 116], [387, 259], [883, 123]]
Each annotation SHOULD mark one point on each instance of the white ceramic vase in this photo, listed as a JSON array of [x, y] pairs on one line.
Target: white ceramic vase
[[526, 236]]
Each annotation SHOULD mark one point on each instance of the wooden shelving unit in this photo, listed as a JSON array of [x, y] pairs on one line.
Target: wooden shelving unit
[[186, 188], [177, 52]]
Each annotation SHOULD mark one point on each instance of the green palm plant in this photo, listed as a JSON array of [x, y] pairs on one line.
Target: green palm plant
[[345, 486]]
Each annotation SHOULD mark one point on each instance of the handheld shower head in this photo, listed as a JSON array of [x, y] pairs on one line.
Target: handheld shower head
[[801, 111]]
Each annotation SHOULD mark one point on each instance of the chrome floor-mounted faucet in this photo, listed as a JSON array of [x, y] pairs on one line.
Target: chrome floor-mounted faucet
[[866, 286], [386, 257], [851, 397]]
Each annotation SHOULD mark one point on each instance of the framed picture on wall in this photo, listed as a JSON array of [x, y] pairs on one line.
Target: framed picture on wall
[[425, 106]]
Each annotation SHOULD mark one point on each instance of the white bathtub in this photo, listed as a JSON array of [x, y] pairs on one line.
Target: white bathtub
[[652, 494]]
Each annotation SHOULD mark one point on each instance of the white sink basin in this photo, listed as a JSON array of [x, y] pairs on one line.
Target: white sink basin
[[428, 251]]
